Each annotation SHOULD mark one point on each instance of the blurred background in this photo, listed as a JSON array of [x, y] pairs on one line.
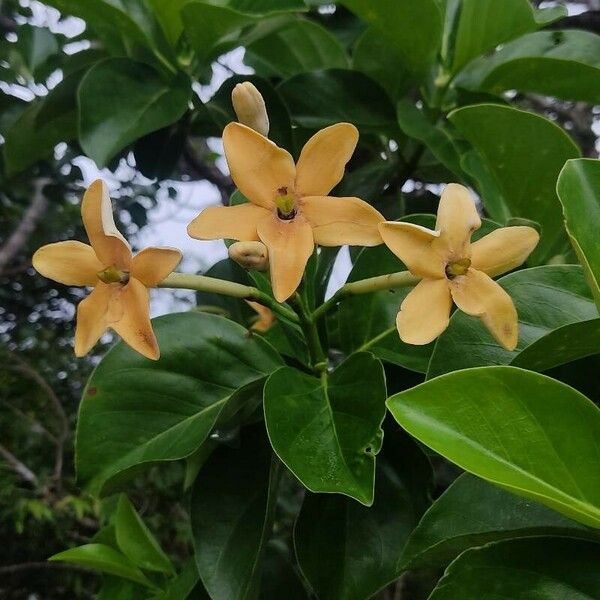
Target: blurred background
[[158, 186]]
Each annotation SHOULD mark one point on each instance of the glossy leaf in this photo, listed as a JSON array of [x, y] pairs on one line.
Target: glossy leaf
[[121, 100], [525, 153], [43, 124], [482, 25], [103, 558], [348, 551], [513, 428], [546, 298], [328, 431], [553, 63], [186, 586], [325, 97], [579, 192], [137, 542], [300, 46], [548, 568], [206, 364], [472, 512], [231, 510], [412, 27], [34, 49]]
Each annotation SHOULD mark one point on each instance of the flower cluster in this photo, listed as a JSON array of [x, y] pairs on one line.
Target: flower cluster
[[288, 212]]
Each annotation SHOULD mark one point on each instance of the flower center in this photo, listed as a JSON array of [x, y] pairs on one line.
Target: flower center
[[113, 275], [457, 267], [285, 202]]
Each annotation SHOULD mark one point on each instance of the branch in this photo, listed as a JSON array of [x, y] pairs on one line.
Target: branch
[[27, 225], [28, 566], [211, 173], [18, 467]]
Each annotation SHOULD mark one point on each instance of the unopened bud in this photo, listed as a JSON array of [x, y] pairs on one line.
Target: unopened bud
[[250, 255], [250, 107]]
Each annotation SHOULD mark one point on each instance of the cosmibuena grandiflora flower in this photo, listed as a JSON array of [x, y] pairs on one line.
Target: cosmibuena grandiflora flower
[[453, 268], [289, 209], [119, 299]]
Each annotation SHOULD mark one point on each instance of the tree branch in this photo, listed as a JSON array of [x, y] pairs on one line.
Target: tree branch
[[211, 173], [37, 207], [18, 467], [589, 21]]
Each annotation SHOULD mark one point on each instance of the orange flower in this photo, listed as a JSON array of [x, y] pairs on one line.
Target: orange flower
[[265, 318], [289, 209], [119, 299], [453, 268]]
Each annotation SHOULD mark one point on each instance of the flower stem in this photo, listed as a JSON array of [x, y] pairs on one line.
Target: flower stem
[[366, 286], [318, 358], [201, 283]]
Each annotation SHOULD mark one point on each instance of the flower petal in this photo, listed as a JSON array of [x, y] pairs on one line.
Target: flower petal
[[258, 167], [152, 265], [340, 221], [412, 244], [96, 211], [71, 263], [457, 219], [503, 249], [290, 243], [92, 315], [425, 312], [134, 324], [266, 318], [227, 222], [323, 159], [477, 294]]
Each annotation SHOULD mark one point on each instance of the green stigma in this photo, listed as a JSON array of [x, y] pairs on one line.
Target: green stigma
[[459, 267], [113, 275], [285, 202]]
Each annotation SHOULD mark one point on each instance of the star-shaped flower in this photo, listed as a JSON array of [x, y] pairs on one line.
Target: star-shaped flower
[[119, 300], [289, 209], [454, 269]]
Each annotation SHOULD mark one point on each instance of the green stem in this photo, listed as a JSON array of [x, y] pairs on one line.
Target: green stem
[[201, 283], [318, 358], [366, 286]]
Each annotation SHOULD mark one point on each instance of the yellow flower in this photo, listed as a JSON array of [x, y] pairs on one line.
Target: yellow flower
[[289, 209], [453, 268], [249, 107], [119, 299]]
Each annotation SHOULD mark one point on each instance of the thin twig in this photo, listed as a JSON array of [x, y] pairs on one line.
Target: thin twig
[[37, 207], [211, 173], [18, 467], [28, 566]]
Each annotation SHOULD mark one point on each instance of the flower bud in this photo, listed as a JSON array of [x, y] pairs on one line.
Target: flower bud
[[250, 255], [250, 107]]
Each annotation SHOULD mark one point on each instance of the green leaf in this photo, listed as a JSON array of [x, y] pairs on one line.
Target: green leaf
[[300, 46], [103, 558], [560, 346], [513, 428], [546, 298], [186, 585], [178, 399], [41, 126], [121, 100], [328, 431], [368, 322], [525, 153], [324, 97], [564, 64], [579, 192], [232, 512], [136, 541], [436, 137], [413, 28], [472, 512], [348, 551], [548, 568], [123, 25], [280, 578], [35, 46], [375, 57], [482, 25]]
